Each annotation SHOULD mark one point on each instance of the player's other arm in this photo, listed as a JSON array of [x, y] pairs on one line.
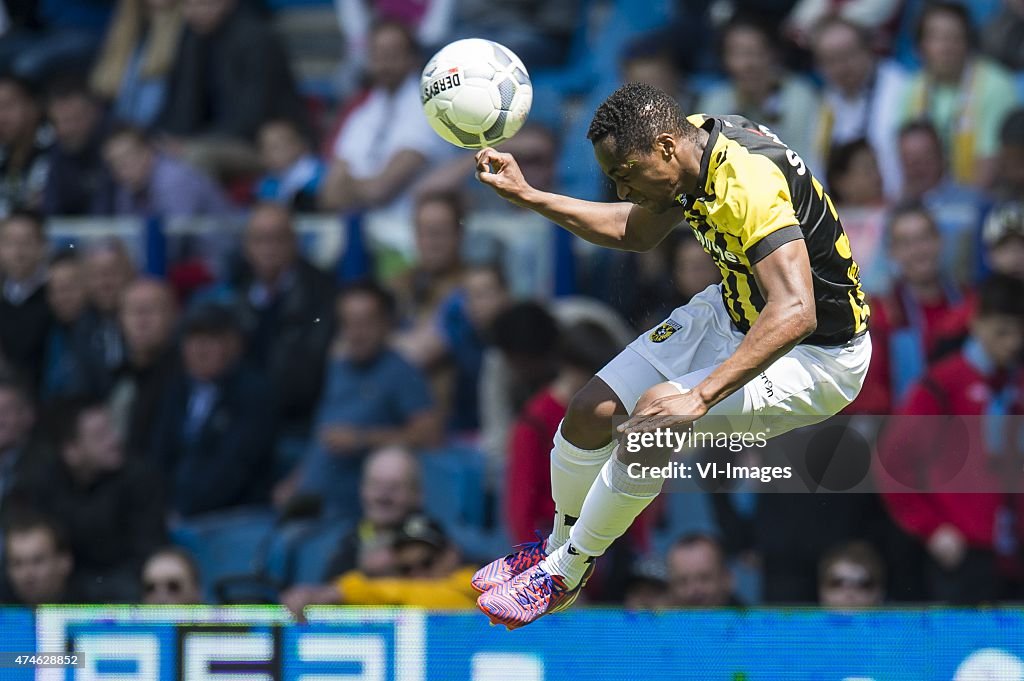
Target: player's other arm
[[788, 316], [621, 226]]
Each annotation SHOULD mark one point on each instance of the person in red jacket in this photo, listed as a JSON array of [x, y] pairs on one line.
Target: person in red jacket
[[585, 347], [910, 321], [967, 532]]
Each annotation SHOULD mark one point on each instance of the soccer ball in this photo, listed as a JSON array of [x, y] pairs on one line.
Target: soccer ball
[[476, 93]]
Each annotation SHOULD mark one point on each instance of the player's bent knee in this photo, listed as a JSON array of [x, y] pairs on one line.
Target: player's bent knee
[[588, 420], [655, 393]]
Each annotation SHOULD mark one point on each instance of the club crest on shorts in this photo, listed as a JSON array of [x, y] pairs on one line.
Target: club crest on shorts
[[664, 330]]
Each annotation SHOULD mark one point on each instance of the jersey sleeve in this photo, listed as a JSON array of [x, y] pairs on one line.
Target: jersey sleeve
[[753, 203]]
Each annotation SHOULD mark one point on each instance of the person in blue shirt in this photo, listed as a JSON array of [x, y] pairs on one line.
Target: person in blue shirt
[[372, 398]]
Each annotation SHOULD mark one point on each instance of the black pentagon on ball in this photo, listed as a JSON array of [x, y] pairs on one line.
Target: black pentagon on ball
[[461, 135], [498, 129]]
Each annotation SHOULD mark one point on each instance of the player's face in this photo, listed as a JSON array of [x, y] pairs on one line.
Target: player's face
[[649, 180]]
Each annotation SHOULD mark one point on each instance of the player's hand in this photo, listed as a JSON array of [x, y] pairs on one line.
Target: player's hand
[[501, 172], [947, 546], [663, 406]]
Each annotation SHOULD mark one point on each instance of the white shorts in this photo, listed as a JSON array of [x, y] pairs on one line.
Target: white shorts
[[811, 382]]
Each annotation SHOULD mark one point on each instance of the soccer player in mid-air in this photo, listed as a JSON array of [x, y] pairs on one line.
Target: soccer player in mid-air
[[784, 334]]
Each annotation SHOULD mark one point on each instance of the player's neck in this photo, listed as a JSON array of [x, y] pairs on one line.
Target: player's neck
[[691, 163]]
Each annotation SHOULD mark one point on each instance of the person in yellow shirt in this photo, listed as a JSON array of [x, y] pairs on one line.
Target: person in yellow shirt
[[429, 574]]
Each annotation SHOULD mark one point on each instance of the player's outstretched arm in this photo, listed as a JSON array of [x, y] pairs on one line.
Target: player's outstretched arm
[[621, 226]]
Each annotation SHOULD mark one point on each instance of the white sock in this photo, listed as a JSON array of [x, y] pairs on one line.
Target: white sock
[[611, 506], [573, 471]]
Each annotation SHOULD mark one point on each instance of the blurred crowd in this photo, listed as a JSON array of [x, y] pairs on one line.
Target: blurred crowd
[[398, 406]]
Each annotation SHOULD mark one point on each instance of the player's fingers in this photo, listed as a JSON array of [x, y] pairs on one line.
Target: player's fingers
[[485, 158]]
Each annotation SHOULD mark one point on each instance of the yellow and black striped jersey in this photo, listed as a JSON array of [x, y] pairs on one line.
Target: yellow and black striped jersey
[[754, 195]]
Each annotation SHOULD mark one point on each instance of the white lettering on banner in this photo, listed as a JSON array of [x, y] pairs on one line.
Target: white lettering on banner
[[141, 649], [200, 649], [504, 666], [368, 650]]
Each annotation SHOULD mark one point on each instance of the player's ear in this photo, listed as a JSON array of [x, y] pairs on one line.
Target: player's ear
[[665, 145]]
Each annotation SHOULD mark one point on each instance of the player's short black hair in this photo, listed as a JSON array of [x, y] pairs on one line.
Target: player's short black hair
[[634, 115], [840, 158], [1001, 295], [1011, 133]]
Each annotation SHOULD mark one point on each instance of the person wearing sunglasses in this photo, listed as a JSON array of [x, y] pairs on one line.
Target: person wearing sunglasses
[[171, 577], [851, 576]]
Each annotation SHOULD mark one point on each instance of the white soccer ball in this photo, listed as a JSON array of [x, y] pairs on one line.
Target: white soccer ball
[[476, 93]]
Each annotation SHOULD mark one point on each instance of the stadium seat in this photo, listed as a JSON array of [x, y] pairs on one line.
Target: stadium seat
[[298, 551], [226, 543]]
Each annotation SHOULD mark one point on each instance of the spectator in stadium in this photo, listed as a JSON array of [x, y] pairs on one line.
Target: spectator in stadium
[[646, 585], [24, 315], [216, 423], [877, 17], [99, 346], [861, 98], [37, 561], [648, 59], [851, 576], [110, 503], [539, 32], [1010, 161], [65, 294], [133, 64], [148, 317], [855, 185], [1003, 36], [433, 279], [965, 95], [1003, 238], [390, 491], [25, 141], [285, 304], [41, 38], [384, 142], [230, 75], [965, 535], [957, 209], [372, 398], [910, 322], [429, 573], [430, 20], [150, 183], [583, 348], [170, 576], [293, 173], [17, 419], [684, 271], [78, 182], [760, 88], [698, 573], [522, 358]]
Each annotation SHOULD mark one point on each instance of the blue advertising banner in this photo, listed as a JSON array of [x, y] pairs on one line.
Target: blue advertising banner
[[353, 644]]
